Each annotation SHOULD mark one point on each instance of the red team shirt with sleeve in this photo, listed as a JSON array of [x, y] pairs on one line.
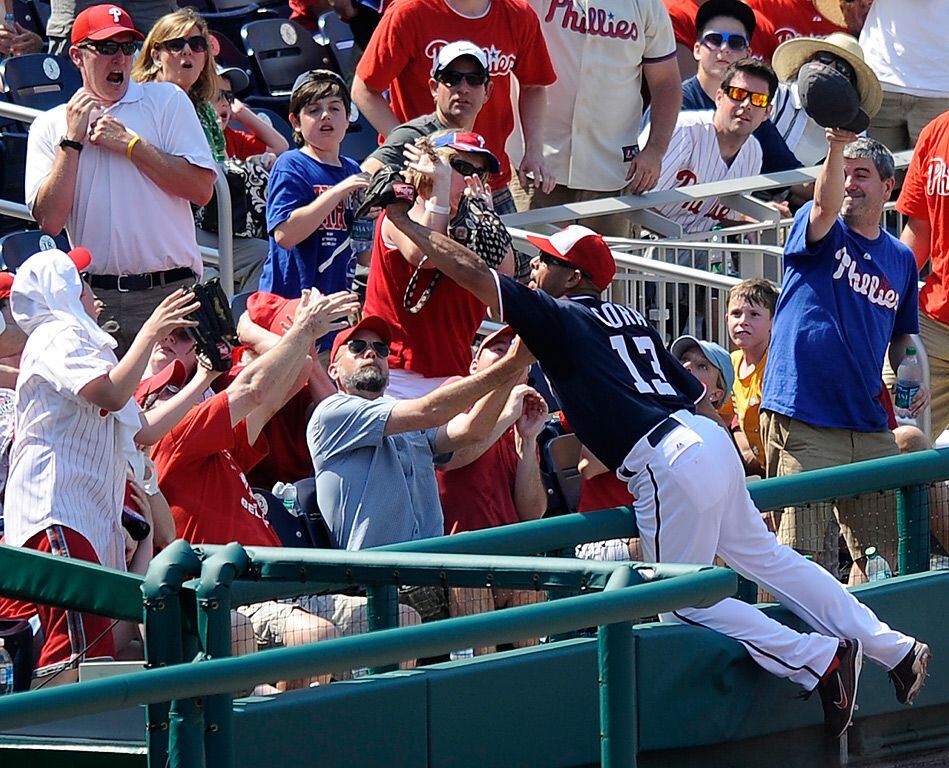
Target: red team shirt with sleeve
[[436, 341], [403, 49], [925, 196], [242, 145], [682, 13], [201, 465], [794, 18]]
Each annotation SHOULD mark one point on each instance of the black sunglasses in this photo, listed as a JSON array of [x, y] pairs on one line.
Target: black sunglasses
[[358, 346], [228, 96], [197, 43], [468, 169], [110, 47], [734, 41], [551, 260], [451, 77], [835, 62]]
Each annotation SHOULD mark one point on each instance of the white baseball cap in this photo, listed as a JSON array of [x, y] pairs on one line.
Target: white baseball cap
[[458, 49]]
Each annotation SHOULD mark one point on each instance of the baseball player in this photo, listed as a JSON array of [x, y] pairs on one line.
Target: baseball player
[[691, 499]]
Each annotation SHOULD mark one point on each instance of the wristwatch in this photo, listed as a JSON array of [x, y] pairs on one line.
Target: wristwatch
[[70, 144]]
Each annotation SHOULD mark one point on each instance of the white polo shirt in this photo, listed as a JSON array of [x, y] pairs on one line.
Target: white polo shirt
[[694, 157], [128, 223], [598, 48]]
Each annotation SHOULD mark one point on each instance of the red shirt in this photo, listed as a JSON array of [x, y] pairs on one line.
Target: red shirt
[[436, 341], [242, 145], [201, 465], [481, 494], [682, 13], [402, 52], [603, 491], [794, 18], [289, 457], [925, 196]]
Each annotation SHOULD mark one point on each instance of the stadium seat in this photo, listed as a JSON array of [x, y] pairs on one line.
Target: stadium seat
[[561, 456], [361, 138], [339, 36], [239, 304], [270, 117], [289, 528], [39, 80], [306, 498], [227, 19], [17, 247], [26, 14], [281, 50]]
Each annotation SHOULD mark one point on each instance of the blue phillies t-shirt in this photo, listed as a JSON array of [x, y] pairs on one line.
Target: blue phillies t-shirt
[[842, 301], [324, 260], [606, 364]]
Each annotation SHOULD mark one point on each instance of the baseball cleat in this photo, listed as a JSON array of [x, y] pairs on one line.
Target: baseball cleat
[[909, 675], [838, 687]]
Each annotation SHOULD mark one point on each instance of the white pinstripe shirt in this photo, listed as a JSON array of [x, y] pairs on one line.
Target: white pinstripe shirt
[[694, 157], [66, 465]]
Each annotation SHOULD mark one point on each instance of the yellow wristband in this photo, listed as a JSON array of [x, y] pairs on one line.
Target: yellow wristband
[[128, 150]]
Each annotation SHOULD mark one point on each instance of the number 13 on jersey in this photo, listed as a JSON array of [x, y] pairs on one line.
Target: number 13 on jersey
[[645, 356]]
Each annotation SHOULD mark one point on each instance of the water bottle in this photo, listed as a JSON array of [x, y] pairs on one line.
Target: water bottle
[[6, 670], [908, 378], [361, 235], [287, 493], [461, 653], [878, 568]]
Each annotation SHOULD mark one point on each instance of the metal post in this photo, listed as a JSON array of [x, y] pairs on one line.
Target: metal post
[[186, 732], [383, 613], [225, 233], [616, 660], [214, 629], [912, 524]]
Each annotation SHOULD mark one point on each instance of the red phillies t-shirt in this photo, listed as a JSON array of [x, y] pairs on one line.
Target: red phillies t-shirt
[[242, 145], [925, 196], [794, 18], [402, 52], [436, 340], [682, 13], [201, 465], [481, 494]]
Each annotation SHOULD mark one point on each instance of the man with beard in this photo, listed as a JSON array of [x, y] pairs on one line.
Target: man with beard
[[374, 456]]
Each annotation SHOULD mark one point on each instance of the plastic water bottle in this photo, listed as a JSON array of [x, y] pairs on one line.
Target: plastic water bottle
[[461, 653], [878, 568], [287, 493], [6, 670], [361, 235], [908, 378]]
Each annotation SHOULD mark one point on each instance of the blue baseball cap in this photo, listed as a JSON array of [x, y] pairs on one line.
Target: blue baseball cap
[[714, 353]]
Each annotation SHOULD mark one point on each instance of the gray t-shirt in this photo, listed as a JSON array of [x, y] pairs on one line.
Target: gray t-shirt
[[390, 153], [373, 488], [144, 14]]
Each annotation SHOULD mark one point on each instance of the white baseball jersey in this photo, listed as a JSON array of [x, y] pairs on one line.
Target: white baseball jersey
[[598, 48], [66, 465], [694, 157]]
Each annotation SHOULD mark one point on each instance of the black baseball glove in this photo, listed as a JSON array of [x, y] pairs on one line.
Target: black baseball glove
[[215, 335], [386, 186]]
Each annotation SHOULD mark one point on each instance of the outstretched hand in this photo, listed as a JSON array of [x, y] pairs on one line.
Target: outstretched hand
[[534, 413], [318, 315], [171, 314]]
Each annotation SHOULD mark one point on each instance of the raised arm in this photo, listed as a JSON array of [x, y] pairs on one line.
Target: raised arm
[[372, 104], [306, 219], [159, 420], [530, 497], [274, 140], [829, 187]]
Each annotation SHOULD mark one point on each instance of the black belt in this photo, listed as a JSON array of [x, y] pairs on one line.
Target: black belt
[[663, 428], [126, 283]]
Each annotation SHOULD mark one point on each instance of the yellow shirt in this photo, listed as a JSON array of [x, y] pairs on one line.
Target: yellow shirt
[[747, 399]]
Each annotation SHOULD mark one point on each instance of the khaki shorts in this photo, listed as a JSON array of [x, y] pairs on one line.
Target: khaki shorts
[[793, 446]]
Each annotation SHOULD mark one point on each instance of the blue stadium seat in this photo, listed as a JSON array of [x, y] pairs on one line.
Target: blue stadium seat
[[17, 247], [239, 305], [313, 518], [268, 116], [290, 529], [361, 139], [39, 80], [281, 50], [339, 37]]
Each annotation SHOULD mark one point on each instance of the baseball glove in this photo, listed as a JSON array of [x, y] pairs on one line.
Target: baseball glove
[[386, 186], [215, 335]]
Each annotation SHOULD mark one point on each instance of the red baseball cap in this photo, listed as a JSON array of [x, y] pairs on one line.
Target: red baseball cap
[[6, 283], [581, 248], [369, 323], [173, 374], [100, 22], [271, 311], [80, 257], [468, 141], [500, 333]]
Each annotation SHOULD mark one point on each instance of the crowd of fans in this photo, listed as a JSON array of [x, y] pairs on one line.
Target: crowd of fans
[[411, 429]]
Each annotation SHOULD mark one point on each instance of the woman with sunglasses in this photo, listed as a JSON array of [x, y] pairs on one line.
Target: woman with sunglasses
[[434, 321], [176, 51]]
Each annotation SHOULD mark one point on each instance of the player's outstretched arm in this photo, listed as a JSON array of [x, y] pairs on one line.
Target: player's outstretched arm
[[462, 265]]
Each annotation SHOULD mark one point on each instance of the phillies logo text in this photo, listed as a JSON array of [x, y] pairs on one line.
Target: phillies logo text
[[937, 178], [499, 63], [591, 21], [876, 289]]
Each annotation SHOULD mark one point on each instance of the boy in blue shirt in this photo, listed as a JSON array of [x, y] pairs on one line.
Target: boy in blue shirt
[[310, 200]]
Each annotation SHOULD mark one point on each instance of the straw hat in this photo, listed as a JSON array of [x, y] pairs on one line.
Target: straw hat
[[791, 54], [831, 10]]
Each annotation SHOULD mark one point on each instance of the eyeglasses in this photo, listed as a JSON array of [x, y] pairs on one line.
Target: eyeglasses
[[197, 43], [835, 62], [358, 346], [738, 95], [734, 41], [552, 261], [110, 47], [228, 96], [468, 169], [451, 77]]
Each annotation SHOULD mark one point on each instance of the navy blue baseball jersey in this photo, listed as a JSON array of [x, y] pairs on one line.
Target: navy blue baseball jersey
[[606, 363]]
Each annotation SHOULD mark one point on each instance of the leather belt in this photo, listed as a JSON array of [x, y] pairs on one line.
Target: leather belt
[[126, 283], [663, 428]]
